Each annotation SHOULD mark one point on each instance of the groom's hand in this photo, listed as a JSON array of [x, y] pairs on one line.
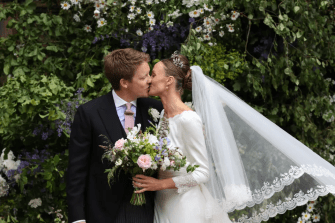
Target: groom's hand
[[152, 184]]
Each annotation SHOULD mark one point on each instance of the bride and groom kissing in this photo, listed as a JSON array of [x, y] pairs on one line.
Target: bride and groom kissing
[[173, 196]]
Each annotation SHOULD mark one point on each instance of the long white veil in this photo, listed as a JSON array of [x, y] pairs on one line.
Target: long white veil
[[254, 164]]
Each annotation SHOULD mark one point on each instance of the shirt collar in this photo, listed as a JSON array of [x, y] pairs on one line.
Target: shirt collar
[[120, 102]]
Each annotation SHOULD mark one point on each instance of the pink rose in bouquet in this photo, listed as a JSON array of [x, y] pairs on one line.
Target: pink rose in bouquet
[[119, 144], [144, 162]]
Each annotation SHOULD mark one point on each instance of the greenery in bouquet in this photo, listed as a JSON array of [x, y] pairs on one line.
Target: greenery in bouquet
[[143, 153]]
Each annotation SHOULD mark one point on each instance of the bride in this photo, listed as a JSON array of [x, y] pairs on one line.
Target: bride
[[246, 162]]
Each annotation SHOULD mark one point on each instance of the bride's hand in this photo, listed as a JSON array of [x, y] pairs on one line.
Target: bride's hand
[[147, 183]]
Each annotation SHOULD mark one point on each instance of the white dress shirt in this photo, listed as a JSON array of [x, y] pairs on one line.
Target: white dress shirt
[[121, 107]]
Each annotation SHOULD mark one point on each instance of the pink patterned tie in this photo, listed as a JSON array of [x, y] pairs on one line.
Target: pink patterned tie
[[129, 118]]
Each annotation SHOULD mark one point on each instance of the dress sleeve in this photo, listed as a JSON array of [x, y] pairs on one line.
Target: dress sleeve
[[196, 153]]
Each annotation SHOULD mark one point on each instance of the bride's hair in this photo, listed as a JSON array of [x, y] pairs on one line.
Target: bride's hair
[[182, 75]]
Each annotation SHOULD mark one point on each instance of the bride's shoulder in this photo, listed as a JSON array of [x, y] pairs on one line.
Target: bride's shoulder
[[189, 116]]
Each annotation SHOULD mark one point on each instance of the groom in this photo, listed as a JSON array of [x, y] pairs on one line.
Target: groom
[[90, 199]]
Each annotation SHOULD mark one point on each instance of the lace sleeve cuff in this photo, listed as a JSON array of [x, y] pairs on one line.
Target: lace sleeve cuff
[[184, 183]]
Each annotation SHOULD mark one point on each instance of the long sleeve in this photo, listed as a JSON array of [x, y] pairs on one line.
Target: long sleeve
[[194, 148], [79, 153]]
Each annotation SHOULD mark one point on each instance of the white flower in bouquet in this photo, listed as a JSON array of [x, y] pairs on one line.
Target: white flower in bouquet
[[198, 29], [115, 3], [310, 207], [194, 14], [200, 39], [177, 155], [76, 18], [163, 167], [132, 134], [300, 220], [150, 15], [34, 203], [152, 139], [223, 17], [166, 161], [138, 10], [139, 32], [152, 22], [96, 14], [131, 16], [151, 28], [306, 216], [216, 20], [118, 162], [88, 28], [221, 33], [154, 166], [207, 37], [126, 30], [156, 1], [210, 44], [65, 5], [169, 24], [316, 217], [101, 22]]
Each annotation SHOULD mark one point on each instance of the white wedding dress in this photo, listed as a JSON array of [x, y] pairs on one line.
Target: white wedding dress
[[191, 202]]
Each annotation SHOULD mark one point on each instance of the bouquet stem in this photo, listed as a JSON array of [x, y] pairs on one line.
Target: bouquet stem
[[137, 199]]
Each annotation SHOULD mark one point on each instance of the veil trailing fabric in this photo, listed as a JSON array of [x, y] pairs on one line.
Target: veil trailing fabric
[[255, 166]]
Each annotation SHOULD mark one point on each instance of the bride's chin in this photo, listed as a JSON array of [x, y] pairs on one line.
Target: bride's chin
[[152, 93]]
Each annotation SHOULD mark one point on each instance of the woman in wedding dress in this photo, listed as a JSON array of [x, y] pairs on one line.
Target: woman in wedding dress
[[181, 197], [246, 162]]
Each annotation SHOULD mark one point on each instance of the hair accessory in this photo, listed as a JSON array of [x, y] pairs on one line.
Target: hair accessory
[[176, 59]]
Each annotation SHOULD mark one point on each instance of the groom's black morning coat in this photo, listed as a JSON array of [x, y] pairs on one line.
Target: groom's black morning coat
[[88, 193]]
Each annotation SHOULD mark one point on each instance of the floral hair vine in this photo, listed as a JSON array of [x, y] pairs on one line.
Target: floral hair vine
[[176, 59]]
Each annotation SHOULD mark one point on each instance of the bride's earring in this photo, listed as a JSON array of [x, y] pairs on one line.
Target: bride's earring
[[167, 88]]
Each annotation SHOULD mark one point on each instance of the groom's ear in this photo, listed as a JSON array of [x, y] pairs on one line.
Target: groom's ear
[[123, 83]]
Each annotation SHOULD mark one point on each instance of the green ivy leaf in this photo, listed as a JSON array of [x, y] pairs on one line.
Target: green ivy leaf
[[52, 48]]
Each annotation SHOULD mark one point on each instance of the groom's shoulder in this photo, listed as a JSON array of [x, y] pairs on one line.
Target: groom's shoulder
[[152, 103], [94, 103]]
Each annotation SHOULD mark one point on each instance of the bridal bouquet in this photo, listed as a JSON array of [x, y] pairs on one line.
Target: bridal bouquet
[[143, 153]]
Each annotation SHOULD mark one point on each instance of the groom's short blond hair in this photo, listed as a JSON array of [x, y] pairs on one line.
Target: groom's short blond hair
[[121, 64]]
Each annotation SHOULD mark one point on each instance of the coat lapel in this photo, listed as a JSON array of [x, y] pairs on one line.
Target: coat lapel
[[141, 115], [110, 119]]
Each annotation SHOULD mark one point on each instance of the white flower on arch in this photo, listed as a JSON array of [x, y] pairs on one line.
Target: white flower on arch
[[101, 22], [65, 5]]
